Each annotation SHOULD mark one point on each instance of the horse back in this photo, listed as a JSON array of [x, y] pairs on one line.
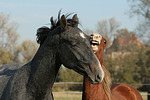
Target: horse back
[[125, 92], [6, 71]]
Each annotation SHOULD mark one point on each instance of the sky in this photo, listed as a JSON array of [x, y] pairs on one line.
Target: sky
[[33, 14]]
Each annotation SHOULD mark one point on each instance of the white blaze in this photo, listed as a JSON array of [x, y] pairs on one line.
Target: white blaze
[[82, 35]]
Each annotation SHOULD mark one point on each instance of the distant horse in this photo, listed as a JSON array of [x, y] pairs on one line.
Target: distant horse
[[64, 43], [104, 90]]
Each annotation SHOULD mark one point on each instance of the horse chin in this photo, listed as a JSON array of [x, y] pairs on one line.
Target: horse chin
[[94, 78], [93, 81]]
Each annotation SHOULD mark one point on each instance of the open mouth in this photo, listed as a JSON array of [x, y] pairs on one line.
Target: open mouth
[[94, 43], [95, 40]]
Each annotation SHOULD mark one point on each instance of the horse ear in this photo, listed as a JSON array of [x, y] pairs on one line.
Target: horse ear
[[63, 22], [75, 18]]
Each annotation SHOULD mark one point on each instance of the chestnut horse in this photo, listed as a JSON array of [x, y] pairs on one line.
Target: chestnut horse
[[104, 90]]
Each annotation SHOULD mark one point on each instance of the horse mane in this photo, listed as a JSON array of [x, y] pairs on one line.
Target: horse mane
[[42, 33], [107, 79], [106, 82]]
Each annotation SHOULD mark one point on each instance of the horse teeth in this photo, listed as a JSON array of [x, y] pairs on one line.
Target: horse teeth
[[94, 42]]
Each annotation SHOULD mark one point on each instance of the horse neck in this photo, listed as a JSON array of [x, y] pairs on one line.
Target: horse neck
[[99, 91], [106, 84], [44, 68]]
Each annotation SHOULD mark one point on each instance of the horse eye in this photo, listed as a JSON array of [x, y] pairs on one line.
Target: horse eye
[[105, 41]]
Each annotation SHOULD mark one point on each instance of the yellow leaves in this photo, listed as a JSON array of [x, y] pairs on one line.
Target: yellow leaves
[[27, 50], [5, 56]]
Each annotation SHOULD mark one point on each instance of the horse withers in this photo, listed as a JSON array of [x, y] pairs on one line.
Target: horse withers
[[64, 43]]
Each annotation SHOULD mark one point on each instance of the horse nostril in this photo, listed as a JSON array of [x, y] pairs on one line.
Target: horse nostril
[[98, 78]]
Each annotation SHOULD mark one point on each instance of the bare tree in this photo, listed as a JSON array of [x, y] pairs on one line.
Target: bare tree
[[10, 51], [141, 8], [8, 32], [108, 28], [8, 38]]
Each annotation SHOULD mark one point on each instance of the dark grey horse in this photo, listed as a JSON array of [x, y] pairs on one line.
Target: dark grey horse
[[6, 71], [64, 43]]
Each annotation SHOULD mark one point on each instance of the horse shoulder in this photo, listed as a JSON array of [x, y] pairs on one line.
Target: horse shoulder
[[6, 71], [125, 91], [16, 86]]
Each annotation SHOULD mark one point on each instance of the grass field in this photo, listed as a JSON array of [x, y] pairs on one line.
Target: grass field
[[144, 96], [76, 96], [69, 96]]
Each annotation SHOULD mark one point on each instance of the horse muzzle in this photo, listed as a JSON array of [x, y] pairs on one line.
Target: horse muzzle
[[95, 74]]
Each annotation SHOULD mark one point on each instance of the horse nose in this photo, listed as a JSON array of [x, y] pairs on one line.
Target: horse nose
[[99, 78]]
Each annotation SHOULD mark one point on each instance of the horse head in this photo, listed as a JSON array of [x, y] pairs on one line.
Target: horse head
[[73, 47], [98, 44], [75, 51]]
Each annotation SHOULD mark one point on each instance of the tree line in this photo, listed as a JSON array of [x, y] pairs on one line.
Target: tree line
[[10, 50]]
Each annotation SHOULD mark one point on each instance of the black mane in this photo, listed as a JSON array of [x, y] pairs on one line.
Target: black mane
[[43, 32]]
